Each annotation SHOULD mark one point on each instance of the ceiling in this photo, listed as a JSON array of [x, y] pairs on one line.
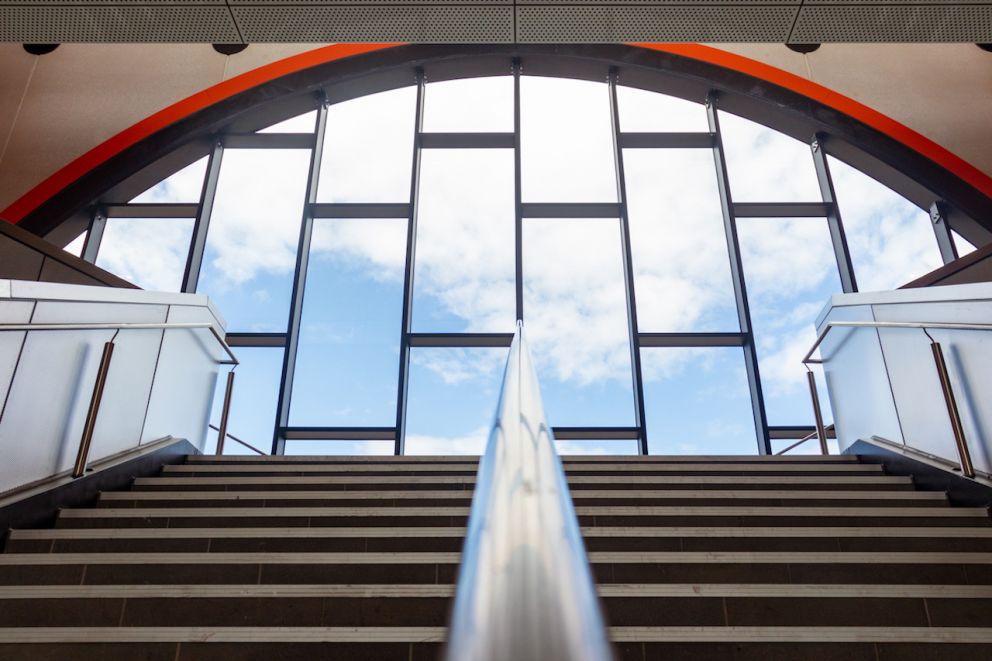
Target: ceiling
[[494, 21]]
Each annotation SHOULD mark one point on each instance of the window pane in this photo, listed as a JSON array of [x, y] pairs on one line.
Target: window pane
[[368, 149], [678, 242], [338, 448], [809, 447], [891, 239], [649, 112], [305, 123], [604, 447], [75, 247], [452, 399], [250, 255], [348, 358], [567, 141], [183, 186], [791, 273], [576, 319], [963, 245], [465, 242], [766, 166], [150, 252], [469, 105], [253, 401], [697, 401]]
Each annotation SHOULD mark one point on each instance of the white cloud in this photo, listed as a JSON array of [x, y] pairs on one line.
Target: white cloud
[[150, 252], [183, 186]]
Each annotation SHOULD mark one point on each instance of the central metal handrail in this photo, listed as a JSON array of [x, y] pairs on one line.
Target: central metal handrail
[[525, 590], [954, 416], [103, 370]]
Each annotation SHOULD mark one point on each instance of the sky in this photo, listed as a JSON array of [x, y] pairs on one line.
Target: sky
[[696, 399]]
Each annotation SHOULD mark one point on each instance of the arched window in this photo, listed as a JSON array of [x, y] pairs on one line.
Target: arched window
[[667, 239]]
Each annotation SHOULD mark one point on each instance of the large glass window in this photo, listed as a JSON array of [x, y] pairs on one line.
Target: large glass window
[[348, 354], [253, 402], [649, 112], [186, 185], [679, 245], [466, 209], [150, 252], [576, 318], [469, 105], [250, 254]]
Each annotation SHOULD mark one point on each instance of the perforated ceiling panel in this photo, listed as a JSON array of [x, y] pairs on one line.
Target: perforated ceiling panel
[[495, 21]]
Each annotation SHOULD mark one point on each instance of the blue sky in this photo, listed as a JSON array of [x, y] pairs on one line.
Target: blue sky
[[696, 400]]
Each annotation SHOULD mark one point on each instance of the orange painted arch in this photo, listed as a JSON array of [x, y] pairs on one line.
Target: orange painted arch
[[205, 98]]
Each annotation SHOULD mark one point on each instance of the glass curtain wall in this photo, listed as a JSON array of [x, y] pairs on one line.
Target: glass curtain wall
[[370, 258]]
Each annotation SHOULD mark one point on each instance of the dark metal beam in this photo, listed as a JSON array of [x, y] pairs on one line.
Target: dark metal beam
[[403, 385], [666, 140], [338, 433], [94, 237], [201, 225], [467, 140], [299, 285], [795, 432], [268, 140], [571, 210], [781, 209], [727, 207], [256, 339], [145, 210], [633, 339], [597, 433], [692, 339], [518, 205], [842, 254], [459, 339], [942, 230], [353, 210]]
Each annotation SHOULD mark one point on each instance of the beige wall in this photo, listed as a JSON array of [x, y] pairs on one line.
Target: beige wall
[[55, 107]]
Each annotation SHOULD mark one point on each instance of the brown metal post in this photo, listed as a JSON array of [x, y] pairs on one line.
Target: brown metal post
[[821, 433], [967, 468], [90, 425], [225, 412]]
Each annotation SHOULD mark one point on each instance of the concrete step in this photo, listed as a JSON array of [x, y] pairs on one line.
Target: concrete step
[[405, 643], [432, 498], [566, 459], [576, 482], [629, 515], [397, 568], [450, 539], [428, 605]]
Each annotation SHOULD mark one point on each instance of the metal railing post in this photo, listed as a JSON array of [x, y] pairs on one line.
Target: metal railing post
[[821, 432], [79, 468], [967, 468], [225, 412]]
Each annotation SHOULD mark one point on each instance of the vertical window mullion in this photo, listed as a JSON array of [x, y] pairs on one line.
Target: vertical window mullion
[[737, 272], [518, 230], [94, 236], [942, 232], [299, 285], [201, 224], [628, 269], [845, 267], [411, 247]]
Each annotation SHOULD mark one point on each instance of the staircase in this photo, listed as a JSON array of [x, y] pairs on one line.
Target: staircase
[[346, 558]]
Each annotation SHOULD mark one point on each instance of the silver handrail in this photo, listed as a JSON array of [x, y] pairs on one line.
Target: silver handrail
[[103, 370], [964, 453], [237, 440], [525, 590], [812, 434]]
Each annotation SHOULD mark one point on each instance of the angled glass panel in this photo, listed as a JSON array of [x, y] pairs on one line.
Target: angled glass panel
[[150, 252], [697, 401], [575, 313], [678, 242], [304, 123], [368, 148], [183, 186], [465, 242], [764, 165], [566, 141], [339, 448], [596, 447], [250, 254], [963, 245], [75, 247], [469, 105], [253, 401], [891, 239], [452, 399], [348, 358], [649, 112], [791, 274]]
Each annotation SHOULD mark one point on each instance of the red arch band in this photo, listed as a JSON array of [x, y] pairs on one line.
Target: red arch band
[[205, 98]]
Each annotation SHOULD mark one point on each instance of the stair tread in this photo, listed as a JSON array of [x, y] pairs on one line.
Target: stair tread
[[336, 467]]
